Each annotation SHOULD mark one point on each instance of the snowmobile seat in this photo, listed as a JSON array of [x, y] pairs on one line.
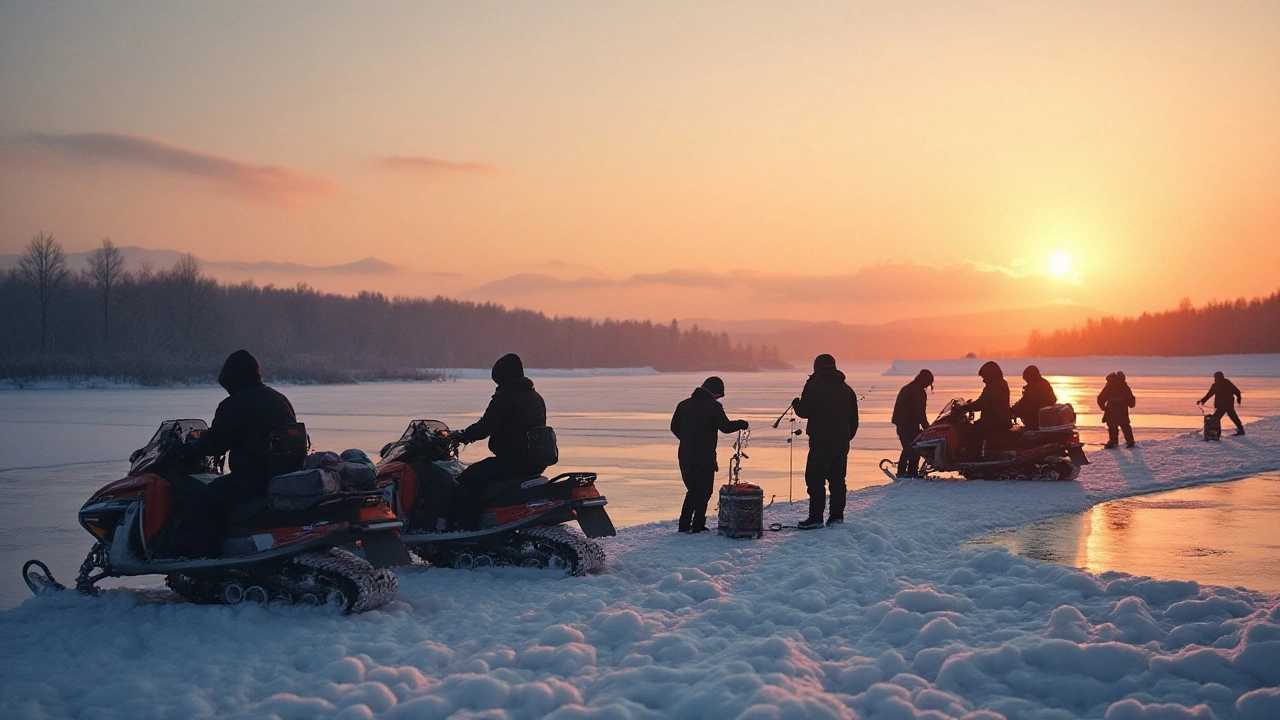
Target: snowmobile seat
[[239, 513], [513, 484]]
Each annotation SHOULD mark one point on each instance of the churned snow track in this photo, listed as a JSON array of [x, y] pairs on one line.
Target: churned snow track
[[883, 617]]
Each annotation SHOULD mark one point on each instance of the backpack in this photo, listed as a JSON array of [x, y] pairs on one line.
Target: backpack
[[540, 446]]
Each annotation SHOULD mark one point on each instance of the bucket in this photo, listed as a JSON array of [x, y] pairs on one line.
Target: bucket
[[741, 511]]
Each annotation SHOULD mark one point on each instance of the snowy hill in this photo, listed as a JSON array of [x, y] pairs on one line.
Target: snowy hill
[[883, 617]]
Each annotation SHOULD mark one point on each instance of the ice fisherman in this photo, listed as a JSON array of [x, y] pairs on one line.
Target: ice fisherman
[[1223, 392], [697, 422], [1036, 394], [993, 403], [910, 418], [831, 407], [514, 410], [1114, 401]]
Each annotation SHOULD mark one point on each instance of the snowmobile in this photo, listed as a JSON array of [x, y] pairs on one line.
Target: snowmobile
[[522, 518], [951, 445], [266, 555]]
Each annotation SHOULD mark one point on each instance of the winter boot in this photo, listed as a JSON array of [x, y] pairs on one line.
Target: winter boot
[[809, 524]]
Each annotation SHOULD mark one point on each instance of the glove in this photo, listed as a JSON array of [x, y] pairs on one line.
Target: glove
[[744, 424], [795, 402]]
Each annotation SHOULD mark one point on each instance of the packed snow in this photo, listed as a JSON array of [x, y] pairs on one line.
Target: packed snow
[[883, 617], [1259, 365]]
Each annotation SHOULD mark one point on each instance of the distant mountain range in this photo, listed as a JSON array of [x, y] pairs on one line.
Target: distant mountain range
[[135, 257]]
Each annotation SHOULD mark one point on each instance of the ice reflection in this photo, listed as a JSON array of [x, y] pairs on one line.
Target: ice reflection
[[1220, 534]]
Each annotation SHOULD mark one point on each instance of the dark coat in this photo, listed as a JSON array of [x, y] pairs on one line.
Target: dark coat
[[1036, 394], [514, 410], [1223, 392], [993, 403], [243, 423], [697, 421], [1114, 401], [909, 410], [830, 405]]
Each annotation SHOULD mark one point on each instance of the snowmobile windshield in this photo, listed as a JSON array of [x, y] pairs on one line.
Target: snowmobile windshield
[[431, 436], [169, 433], [950, 407]]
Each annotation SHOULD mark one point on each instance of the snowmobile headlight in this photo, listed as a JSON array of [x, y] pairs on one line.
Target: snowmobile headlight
[[97, 531]]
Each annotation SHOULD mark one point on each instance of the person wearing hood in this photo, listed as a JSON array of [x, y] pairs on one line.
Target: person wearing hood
[[993, 403], [697, 422], [1115, 400], [1223, 392], [831, 407], [910, 417], [1036, 394], [514, 410], [241, 427]]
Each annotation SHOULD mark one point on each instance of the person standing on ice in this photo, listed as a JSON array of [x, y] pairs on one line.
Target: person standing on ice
[[1036, 394], [514, 410], [1223, 392], [993, 403], [831, 407], [1115, 400], [910, 417], [697, 421]]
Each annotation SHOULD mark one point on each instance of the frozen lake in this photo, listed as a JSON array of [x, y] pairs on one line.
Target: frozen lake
[[59, 445]]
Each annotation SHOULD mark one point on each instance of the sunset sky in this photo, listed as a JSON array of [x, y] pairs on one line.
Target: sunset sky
[[853, 161]]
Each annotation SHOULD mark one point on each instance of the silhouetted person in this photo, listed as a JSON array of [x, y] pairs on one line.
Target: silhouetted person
[[514, 410], [831, 407], [1115, 400], [1036, 394], [697, 421], [1223, 392], [241, 427], [910, 417], [993, 403]]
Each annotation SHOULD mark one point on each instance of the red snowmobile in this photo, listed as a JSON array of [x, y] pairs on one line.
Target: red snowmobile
[[522, 520], [951, 445], [266, 554]]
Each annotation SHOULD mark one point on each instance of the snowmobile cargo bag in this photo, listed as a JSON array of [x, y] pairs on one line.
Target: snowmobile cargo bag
[[302, 489], [287, 448], [1212, 428], [1060, 415], [540, 446], [741, 511]]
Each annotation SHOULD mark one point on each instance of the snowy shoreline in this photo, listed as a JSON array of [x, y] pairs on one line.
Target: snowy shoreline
[[883, 617], [1259, 365]]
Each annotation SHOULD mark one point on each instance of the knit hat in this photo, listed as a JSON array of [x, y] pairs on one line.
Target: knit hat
[[823, 360], [714, 385]]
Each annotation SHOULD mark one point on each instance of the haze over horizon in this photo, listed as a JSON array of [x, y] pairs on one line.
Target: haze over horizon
[[861, 163]]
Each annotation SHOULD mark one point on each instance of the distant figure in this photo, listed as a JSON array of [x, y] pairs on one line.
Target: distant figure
[[910, 417], [1223, 392], [1036, 394], [514, 410], [696, 421], [831, 407], [1115, 400], [993, 403]]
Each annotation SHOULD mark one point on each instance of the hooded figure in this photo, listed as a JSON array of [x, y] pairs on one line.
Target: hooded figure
[[910, 417], [1036, 394], [993, 403], [514, 410], [1114, 401], [697, 421], [831, 408], [1223, 392]]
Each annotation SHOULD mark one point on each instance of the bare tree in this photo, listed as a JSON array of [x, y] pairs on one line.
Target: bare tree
[[44, 265], [106, 265], [194, 291]]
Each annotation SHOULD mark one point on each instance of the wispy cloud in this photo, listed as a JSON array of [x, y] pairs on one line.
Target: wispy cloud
[[430, 166], [269, 184]]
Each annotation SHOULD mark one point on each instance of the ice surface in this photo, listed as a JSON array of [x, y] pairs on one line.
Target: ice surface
[[883, 617]]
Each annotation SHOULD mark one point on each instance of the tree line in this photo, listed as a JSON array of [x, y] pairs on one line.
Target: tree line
[[177, 324], [1221, 328]]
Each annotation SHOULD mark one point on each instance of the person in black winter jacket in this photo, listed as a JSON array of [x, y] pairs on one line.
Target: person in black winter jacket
[[993, 403], [831, 407], [242, 426], [1115, 400], [1223, 392], [1036, 394], [697, 421], [514, 410], [910, 417]]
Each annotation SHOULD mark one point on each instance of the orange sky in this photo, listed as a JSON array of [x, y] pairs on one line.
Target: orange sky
[[688, 159]]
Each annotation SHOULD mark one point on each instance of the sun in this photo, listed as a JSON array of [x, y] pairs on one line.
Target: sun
[[1060, 264]]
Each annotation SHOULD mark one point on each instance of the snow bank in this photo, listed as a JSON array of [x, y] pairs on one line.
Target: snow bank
[[883, 617], [1100, 365]]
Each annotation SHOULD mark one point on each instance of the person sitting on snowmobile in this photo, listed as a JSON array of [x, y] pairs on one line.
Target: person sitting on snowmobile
[[514, 410], [993, 403], [1036, 394], [241, 427]]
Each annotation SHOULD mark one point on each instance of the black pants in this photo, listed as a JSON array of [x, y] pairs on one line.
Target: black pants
[[699, 482], [827, 463], [479, 475], [1231, 413], [1113, 433], [908, 462], [195, 529]]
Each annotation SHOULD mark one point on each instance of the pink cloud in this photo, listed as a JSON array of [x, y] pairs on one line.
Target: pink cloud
[[435, 166]]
